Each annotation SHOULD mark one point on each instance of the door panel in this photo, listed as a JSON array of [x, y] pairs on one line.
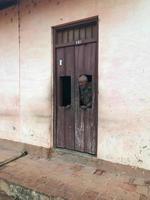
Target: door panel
[[65, 113], [85, 119]]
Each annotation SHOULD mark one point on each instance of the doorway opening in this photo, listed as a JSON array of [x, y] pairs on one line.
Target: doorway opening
[[76, 86]]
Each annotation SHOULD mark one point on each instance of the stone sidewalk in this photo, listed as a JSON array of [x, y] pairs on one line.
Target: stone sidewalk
[[71, 177]]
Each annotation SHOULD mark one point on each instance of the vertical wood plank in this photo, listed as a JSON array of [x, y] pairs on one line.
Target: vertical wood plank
[[69, 112], [90, 113], [82, 33], [60, 110], [95, 103], [88, 32], [65, 36], [76, 34], [79, 113], [94, 32], [70, 35], [59, 37]]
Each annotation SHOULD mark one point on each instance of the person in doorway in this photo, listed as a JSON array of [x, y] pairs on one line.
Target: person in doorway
[[85, 89]]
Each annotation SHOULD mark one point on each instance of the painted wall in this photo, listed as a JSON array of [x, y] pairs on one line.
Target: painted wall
[[9, 75], [124, 97]]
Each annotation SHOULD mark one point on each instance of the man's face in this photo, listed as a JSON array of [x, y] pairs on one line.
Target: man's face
[[82, 83]]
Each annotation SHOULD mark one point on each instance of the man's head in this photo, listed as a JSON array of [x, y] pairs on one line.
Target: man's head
[[83, 80]]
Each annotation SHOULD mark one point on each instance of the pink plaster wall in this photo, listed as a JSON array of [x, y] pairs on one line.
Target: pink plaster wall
[[124, 97], [9, 75]]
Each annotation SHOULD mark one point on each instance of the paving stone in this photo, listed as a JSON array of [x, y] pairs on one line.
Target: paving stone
[[99, 172], [90, 195], [131, 180], [147, 182], [64, 179], [143, 197], [139, 182], [128, 187], [142, 190]]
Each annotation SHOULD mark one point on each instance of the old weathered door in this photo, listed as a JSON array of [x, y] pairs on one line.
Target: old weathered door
[[76, 56]]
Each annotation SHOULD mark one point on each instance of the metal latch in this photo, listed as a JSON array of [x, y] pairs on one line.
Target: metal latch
[[60, 62]]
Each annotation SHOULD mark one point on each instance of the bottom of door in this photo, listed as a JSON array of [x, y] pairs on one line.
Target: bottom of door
[[65, 152]]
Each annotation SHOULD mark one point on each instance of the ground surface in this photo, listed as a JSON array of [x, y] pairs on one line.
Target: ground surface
[[71, 178], [3, 196]]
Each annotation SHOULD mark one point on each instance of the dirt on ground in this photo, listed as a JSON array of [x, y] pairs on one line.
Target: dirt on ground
[[72, 177]]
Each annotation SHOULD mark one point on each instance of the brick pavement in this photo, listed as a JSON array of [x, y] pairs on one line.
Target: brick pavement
[[67, 178]]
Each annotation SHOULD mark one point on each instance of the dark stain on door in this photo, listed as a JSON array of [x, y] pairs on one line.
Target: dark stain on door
[[76, 83]]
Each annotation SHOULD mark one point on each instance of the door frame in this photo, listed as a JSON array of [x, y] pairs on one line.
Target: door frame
[[60, 27]]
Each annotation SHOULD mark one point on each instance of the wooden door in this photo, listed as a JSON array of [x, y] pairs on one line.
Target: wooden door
[[76, 56]]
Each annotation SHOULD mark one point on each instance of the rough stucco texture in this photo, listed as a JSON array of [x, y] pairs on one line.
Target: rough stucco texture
[[124, 97]]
